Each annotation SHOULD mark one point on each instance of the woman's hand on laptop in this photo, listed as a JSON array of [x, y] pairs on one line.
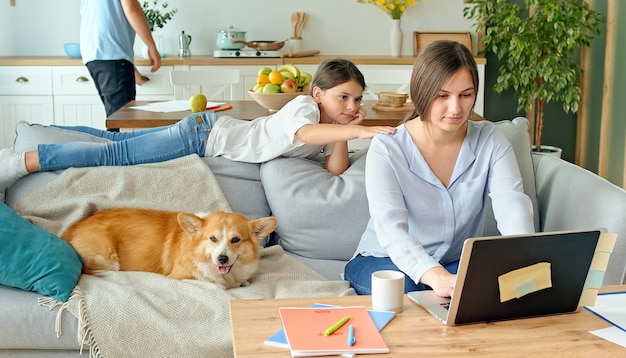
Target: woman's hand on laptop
[[440, 280]]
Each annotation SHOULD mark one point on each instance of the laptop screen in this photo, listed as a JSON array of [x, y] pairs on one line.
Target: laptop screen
[[568, 254]]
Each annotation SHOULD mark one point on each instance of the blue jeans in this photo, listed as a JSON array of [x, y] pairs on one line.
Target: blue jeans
[[359, 273], [188, 136]]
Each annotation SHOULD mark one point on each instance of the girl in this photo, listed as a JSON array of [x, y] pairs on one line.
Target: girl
[[309, 124], [427, 184]]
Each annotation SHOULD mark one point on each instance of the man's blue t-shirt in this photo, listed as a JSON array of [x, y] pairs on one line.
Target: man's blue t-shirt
[[105, 33]]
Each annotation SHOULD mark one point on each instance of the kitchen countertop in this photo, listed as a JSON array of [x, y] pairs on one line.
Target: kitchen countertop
[[210, 60]]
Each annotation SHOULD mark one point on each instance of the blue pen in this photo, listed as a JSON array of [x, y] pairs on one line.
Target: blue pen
[[351, 338]]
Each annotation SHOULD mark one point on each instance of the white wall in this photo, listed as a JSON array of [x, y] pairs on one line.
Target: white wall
[[335, 27]]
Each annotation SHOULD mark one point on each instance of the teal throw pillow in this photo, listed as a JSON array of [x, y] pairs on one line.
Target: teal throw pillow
[[34, 259]]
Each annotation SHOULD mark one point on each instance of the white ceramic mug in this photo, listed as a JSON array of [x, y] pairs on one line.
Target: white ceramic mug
[[387, 290]]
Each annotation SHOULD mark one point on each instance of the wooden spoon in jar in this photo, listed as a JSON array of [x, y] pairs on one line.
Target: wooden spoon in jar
[[294, 24]]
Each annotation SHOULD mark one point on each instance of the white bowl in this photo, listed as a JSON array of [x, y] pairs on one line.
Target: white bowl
[[273, 101]]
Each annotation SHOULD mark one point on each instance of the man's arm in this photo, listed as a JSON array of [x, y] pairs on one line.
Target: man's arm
[[137, 19]]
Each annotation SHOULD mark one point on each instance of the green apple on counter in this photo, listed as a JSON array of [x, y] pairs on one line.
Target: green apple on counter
[[197, 102]]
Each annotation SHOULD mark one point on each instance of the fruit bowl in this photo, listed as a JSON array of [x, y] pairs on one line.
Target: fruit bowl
[[273, 101], [72, 49]]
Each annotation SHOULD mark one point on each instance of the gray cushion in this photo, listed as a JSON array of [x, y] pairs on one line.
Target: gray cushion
[[320, 216], [27, 137], [516, 131], [241, 183]]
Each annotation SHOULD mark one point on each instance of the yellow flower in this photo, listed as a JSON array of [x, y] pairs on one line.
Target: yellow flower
[[393, 8]]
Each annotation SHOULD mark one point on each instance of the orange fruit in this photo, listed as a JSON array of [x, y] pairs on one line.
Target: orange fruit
[[276, 77], [262, 80]]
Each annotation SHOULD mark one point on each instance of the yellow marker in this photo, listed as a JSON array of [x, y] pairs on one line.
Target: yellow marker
[[336, 326]]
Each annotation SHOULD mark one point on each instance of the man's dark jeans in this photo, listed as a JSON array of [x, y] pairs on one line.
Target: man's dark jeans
[[115, 81]]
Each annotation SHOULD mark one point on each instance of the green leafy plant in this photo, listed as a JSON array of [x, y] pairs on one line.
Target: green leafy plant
[[157, 15], [537, 43]]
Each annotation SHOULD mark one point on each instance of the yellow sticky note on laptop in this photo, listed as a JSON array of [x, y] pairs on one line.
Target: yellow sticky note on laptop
[[524, 281]]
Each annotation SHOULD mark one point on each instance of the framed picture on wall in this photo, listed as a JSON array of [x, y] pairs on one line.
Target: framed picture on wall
[[422, 39]]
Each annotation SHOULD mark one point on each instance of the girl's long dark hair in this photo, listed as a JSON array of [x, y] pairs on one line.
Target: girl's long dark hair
[[334, 72]]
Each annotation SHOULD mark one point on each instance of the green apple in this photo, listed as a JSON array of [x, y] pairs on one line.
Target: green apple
[[290, 68], [197, 102], [265, 71], [271, 88]]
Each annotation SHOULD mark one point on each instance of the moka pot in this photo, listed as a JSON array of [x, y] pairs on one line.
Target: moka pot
[[183, 45]]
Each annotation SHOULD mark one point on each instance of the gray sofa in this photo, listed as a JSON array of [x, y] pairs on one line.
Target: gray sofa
[[320, 219]]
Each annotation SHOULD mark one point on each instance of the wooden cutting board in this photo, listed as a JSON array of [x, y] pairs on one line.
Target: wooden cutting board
[[303, 53], [406, 108]]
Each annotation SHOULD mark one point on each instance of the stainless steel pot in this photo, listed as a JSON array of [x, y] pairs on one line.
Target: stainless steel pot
[[226, 37]]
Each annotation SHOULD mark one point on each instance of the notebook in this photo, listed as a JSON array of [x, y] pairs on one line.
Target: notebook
[[508, 277], [305, 330], [380, 319]]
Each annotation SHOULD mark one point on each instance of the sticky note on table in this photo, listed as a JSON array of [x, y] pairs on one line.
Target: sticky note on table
[[524, 281]]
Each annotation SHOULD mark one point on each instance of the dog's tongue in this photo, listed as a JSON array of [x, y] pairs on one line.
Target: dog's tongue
[[224, 270]]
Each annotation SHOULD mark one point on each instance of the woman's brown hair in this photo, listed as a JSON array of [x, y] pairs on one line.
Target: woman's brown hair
[[432, 68]]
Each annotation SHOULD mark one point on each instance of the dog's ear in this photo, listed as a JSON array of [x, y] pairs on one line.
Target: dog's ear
[[262, 227], [190, 223]]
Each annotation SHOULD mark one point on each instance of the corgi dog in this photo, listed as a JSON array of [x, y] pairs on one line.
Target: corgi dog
[[220, 247]]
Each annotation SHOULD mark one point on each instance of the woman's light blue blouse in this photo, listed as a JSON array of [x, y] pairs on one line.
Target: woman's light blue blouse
[[417, 221]]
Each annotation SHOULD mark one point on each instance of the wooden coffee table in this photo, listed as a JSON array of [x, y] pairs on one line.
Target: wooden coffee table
[[415, 333]]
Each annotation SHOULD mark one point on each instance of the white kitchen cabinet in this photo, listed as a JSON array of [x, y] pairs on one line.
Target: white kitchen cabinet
[[25, 94], [34, 109], [159, 87], [76, 99]]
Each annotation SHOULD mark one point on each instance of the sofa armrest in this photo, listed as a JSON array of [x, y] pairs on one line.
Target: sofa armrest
[[571, 197]]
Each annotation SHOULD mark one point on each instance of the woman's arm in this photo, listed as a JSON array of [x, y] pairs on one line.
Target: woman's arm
[[512, 208]]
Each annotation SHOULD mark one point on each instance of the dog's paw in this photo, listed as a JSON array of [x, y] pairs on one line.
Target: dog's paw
[[245, 283]]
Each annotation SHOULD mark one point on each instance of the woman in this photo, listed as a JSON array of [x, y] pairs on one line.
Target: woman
[[427, 184]]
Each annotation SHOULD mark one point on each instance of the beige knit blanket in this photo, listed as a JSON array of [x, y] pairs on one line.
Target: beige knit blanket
[[183, 184], [139, 314]]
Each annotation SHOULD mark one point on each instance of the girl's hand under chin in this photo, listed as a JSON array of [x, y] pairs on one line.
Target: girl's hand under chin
[[358, 117]]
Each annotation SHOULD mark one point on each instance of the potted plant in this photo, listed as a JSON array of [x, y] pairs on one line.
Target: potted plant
[[157, 15], [537, 41]]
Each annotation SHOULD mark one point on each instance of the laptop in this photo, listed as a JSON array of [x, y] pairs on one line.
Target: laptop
[[508, 277]]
